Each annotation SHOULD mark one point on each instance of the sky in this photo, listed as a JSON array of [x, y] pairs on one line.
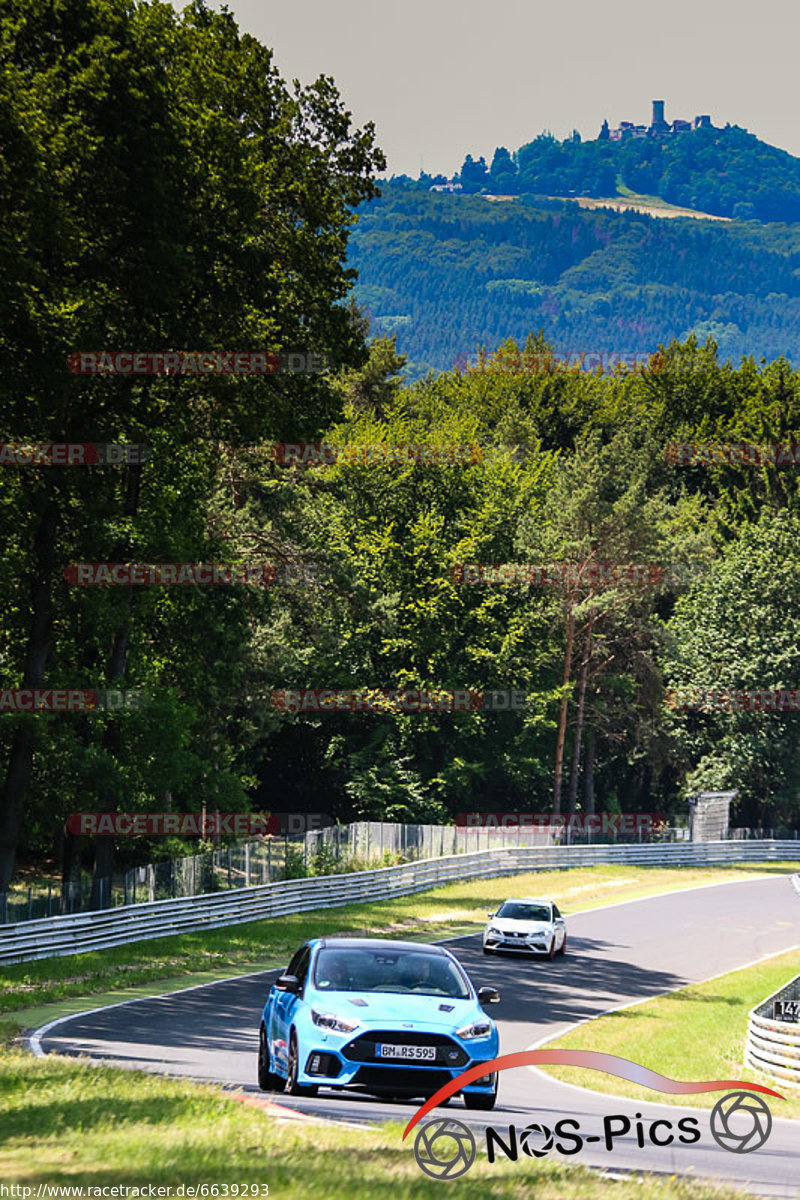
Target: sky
[[443, 78]]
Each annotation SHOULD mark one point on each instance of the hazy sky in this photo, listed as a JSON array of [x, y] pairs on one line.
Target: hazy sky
[[443, 78]]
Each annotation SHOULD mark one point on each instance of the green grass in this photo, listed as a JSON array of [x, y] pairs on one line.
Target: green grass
[[68, 1123], [696, 1033], [178, 961]]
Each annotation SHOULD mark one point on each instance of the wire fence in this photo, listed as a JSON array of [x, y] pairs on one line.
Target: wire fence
[[334, 850]]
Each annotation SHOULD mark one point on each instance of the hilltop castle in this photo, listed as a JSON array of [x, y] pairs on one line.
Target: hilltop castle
[[657, 128]]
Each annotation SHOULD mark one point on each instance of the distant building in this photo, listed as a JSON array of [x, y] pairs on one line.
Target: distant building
[[658, 127], [447, 187]]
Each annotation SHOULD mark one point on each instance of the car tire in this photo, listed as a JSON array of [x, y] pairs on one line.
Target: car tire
[[478, 1103], [551, 953], [563, 949], [486, 950], [267, 1080], [293, 1088]]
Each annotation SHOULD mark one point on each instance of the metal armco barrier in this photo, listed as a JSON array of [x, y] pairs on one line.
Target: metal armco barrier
[[773, 1047], [79, 933]]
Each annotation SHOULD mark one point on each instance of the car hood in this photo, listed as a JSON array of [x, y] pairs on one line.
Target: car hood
[[377, 1009], [509, 925]]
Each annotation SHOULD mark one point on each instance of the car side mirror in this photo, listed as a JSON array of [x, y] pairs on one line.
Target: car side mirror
[[490, 915], [488, 995], [288, 983]]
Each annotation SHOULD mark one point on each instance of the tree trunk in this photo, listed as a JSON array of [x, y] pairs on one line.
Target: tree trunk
[[20, 759], [112, 737], [588, 783], [562, 720], [576, 748]]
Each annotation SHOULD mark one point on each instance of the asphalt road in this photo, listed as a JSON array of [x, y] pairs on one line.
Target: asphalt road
[[615, 956]]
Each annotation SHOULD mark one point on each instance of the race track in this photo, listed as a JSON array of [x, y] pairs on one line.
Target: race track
[[616, 955]]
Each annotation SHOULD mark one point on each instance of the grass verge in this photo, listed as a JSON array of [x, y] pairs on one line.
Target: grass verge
[[458, 908], [69, 1123], [655, 1033]]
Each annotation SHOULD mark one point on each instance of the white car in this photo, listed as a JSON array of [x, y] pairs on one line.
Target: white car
[[529, 925]]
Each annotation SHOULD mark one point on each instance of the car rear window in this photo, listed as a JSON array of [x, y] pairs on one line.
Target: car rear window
[[348, 969]]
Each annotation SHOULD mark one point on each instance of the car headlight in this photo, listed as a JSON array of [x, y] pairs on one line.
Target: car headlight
[[476, 1030], [494, 932], [333, 1023]]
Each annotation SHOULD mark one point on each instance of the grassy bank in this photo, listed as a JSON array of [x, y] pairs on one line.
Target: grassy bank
[[68, 1123], [443, 912], [696, 1033]]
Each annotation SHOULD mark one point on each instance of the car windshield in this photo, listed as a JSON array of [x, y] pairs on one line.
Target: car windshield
[[524, 912], [351, 969]]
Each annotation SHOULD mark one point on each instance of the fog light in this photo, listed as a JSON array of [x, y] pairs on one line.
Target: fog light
[[323, 1064]]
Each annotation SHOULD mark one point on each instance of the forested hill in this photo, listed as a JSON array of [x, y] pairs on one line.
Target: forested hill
[[728, 172], [448, 273]]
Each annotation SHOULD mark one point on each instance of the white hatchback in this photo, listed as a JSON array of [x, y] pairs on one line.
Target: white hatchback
[[528, 925]]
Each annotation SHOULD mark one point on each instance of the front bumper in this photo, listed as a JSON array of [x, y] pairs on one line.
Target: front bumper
[[518, 945], [350, 1061]]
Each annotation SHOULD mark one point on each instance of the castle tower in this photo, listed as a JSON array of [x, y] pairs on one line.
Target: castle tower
[[658, 113]]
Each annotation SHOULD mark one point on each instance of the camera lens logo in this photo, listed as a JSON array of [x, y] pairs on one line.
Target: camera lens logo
[[740, 1122], [527, 1140], [444, 1148]]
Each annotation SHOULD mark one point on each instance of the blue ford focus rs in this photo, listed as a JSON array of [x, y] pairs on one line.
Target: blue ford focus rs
[[392, 1019]]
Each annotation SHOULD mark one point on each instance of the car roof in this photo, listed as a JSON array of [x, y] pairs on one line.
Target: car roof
[[352, 943], [528, 900]]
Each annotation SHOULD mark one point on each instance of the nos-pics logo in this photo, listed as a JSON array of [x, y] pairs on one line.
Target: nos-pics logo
[[445, 1148]]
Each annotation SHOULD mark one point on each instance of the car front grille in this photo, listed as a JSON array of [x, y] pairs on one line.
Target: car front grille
[[448, 1052], [414, 1080]]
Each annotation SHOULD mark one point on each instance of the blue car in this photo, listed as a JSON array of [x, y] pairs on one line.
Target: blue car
[[393, 1019]]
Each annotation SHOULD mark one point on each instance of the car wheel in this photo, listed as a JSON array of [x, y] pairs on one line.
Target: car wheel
[[480, 1103], [267, 1081], [563, 945], [486, 950], [292, 1086], [551, 953]]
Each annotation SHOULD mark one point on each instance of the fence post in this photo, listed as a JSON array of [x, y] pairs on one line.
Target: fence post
[[247, 864], [4, 908], [230, 885]]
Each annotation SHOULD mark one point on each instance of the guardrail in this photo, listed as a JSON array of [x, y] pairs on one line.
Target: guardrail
[[773, 1046], [80, 933]]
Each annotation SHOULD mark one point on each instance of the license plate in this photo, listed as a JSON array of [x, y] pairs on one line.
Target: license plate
[[416, 1053]]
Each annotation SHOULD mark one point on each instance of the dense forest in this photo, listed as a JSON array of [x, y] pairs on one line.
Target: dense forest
[[447, 273], [244, 245]]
